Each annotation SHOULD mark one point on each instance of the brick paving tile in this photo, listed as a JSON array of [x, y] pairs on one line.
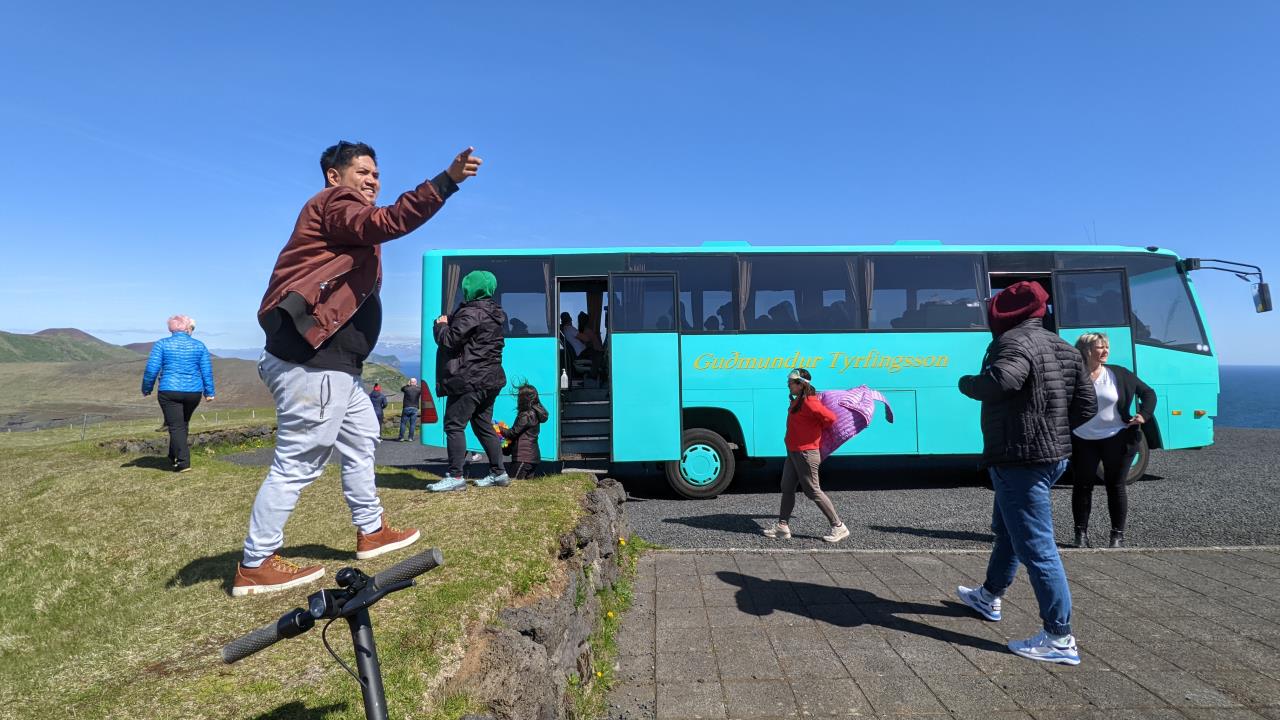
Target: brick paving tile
[[969, 695], [1220, 714], [635, 669], [760, 699], [1181, 689], [679, 598], [1246, 687], [687, 667], [1096, 714], [899, 694], [1038, 691], [683, 617], [690, 700], [830, 698], [1110, 690], [689, 640], [632, 701]]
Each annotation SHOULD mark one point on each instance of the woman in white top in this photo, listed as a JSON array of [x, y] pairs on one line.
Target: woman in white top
[[1112, 437]]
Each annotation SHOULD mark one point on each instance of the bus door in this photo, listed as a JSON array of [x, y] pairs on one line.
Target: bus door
[[1095, 301], [644, 366]]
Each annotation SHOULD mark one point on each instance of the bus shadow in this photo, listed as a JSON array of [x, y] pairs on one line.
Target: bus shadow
[[837, 475], [745, 524], [934, 533]]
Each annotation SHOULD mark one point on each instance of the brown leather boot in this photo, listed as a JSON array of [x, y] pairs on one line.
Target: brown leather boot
[[384, 540], [273, 575]]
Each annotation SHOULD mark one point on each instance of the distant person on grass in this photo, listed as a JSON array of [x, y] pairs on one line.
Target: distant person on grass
[[409, 411], [322, 317], [1034, 390], [186, 374], [469, 373], [379, 402]]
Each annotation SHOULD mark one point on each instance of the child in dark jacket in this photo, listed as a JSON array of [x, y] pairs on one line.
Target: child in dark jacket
[[523, 434]]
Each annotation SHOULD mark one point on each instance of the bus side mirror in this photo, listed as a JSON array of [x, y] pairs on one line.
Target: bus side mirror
[[1262, 297]]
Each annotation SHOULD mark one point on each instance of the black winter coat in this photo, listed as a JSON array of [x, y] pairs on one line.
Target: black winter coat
[[1129, 386], [470, 354], [1034, 390], [524, 434]]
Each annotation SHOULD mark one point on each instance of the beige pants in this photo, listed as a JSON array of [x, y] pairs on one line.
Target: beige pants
[[801, 468]]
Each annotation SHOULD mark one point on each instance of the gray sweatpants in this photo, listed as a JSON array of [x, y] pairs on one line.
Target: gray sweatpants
[[801, 468], [317, 412]]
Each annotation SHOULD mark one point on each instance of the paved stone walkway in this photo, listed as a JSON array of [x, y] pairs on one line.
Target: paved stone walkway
[[1162, 633]]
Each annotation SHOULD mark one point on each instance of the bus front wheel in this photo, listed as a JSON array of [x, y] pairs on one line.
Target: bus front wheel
[[705, 467]]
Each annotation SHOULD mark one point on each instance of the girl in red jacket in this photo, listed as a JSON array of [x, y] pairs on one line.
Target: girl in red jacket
[[805, 422]]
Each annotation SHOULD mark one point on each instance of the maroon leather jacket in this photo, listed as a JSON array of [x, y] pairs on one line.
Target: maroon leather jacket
[[333, 260]]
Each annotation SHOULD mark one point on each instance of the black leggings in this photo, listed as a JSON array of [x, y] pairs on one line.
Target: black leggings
[[178, 408], [1116, 455], [474, 407]]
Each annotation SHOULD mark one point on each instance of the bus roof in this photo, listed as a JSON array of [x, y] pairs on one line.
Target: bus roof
[[720, 247]]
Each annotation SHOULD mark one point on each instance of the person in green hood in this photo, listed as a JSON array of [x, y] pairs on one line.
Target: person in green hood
[[469, 374]]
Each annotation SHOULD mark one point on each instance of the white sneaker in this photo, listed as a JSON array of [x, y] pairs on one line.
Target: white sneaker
[[1041, 647], [838, 533], [778, 530], [973, 597]]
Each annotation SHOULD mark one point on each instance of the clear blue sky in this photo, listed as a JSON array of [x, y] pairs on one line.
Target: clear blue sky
[[160, 155]]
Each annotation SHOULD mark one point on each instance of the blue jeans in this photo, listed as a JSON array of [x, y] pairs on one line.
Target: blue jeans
[[1022, 522], [408, 416]]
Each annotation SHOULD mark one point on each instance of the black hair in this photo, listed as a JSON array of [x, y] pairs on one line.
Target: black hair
[[566, 318], [526, 396], [342, 155], [806, 391]]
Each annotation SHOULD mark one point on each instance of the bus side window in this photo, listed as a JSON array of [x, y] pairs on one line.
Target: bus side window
[[925, 292], [800, 293]]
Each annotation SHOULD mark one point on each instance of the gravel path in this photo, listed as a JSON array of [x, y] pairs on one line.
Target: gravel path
[[1224, 495]]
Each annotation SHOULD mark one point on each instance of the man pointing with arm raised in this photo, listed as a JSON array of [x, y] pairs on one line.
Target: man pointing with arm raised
[[322, 318]]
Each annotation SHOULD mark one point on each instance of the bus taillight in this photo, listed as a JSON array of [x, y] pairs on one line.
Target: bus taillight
[[428, 411]]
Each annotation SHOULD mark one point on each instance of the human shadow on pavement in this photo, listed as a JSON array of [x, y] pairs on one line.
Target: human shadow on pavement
[[403, 481], [848, 607], [743, 523], [223, 565], [933, 533]]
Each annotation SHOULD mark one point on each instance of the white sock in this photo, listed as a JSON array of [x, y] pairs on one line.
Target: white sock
[[1059, 640]]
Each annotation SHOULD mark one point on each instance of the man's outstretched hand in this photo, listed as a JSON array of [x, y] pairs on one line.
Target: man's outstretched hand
[[464, 166]]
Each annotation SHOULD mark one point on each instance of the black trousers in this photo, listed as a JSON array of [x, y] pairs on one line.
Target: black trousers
[[1116, 455], [474, 407], [178, 408]]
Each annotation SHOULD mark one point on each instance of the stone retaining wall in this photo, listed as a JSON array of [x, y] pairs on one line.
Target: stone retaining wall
[[159, 445], [522, 667]]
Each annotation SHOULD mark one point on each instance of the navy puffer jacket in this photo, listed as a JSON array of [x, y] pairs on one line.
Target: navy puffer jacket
[[1034, 390], [183, 364]]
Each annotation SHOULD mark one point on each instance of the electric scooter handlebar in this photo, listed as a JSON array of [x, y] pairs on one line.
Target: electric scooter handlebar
[[291, 624], [409, 568], [297, 621]]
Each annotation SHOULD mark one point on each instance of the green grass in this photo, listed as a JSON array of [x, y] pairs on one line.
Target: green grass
[[58, 348], [117, 573]]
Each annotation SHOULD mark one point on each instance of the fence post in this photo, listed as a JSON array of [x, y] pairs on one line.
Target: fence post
[[84, 425]]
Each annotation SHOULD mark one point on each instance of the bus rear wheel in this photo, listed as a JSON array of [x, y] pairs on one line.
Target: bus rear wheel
[[705, 467], [1140, 461]]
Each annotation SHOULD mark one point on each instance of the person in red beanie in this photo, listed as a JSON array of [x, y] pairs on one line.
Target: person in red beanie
[[1034, 389]]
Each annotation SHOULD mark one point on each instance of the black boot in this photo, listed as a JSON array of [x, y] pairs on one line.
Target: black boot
[[1082, 536], [1117, 539]]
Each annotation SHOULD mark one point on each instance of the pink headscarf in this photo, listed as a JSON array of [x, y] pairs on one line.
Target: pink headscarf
[[181, 323]]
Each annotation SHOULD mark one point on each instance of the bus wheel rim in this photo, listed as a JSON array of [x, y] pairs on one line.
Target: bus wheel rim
[[700, 465]]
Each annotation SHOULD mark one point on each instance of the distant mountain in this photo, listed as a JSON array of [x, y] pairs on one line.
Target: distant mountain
[[388, 360], [59, 345], [406, 352], [239, 353], [140, 348]]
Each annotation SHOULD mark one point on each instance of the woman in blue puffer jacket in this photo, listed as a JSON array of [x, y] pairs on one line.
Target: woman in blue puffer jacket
[[186, 374]]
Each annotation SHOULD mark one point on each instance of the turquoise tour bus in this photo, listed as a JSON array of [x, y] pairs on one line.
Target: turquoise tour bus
[[685, 350]]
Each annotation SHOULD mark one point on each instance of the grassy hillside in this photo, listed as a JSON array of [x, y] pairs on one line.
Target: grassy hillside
[[120, 602], [57, 346], [41, 392]]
